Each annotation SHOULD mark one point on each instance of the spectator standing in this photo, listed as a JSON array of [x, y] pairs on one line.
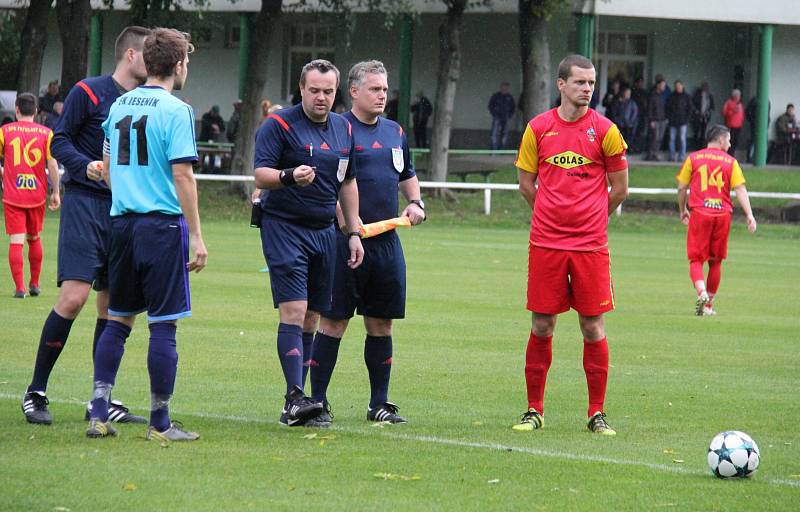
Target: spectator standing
[[733, 113], [703, 105], [750, 114], [679, 111], [640, 96], [657, 119], [627, 115], [788, 132], [501, 107], [393, 106], [233, 123], [611, 100], [421, 111]]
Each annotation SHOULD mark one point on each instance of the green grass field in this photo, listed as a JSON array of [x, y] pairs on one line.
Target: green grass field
[[676, 380]]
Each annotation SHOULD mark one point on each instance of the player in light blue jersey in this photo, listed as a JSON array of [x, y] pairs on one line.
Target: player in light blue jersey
[[152, 130], [148, 156]]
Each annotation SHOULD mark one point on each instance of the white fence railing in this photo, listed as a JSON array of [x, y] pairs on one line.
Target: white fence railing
[[489, 187]]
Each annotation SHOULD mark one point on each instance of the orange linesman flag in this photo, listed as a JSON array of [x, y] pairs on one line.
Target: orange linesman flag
[[376, 228]]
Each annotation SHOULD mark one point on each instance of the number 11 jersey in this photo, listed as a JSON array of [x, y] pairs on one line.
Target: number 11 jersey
[[147, 130]]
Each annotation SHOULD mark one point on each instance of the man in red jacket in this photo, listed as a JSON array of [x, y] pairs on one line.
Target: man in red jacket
[[733, 112]]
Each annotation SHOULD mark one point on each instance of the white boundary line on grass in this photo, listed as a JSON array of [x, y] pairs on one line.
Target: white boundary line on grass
[[384, 432]]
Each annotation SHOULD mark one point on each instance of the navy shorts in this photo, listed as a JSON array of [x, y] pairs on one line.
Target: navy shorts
[[147, 266], [83, 238], [300, 262], [377, 288]]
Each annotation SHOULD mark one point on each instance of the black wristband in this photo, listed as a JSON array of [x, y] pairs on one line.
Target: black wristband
[[287, 177], [353, 233]]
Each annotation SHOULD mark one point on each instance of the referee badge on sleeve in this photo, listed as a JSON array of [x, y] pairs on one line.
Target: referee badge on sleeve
[[342, 170], [397, 159]]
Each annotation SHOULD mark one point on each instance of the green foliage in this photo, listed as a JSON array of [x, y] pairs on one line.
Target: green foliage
[[675, 381], [10, 30]]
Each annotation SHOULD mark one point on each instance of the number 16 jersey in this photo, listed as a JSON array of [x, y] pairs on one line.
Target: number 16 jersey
[[147, 130], [25, 148]]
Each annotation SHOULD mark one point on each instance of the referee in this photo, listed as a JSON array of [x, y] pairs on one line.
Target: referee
[[304, 162], [377, 289]]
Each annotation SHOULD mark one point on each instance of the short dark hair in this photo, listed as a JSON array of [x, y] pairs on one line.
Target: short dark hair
[[565, 66], [790, 105], [163, 49], [321, 65], [716, 132], [130, 37], [26, 103]]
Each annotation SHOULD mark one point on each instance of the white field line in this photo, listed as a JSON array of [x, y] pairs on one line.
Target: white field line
[[391, 433]]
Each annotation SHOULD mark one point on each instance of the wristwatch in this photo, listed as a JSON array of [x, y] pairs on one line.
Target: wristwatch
[[418, 202]]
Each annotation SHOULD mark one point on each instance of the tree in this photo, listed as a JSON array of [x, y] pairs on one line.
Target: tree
[[74, 18], [33, 41], [534, 48], [256, 77], [256, 72], [447, 80]]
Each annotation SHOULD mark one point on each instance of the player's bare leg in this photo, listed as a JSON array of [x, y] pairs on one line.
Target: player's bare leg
[[538, 357], [595, 365]]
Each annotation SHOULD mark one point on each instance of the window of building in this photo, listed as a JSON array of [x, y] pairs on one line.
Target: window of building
[[620, 56], [306, 43]]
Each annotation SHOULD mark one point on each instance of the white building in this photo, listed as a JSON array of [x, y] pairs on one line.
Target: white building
[[712, 41]]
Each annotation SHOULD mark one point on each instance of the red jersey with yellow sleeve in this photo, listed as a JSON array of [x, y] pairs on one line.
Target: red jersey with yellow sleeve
[[711, 174], [25, 148], [571, 161]]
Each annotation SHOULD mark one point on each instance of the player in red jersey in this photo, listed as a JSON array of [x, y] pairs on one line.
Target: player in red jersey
[[25, 149], [573, 153], [707, 176]]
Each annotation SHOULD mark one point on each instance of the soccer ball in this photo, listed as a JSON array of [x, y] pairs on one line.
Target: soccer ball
[[733, 454]]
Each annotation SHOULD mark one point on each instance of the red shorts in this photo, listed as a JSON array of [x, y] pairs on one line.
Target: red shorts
[[558, 280], [23, 220], [708, 237]]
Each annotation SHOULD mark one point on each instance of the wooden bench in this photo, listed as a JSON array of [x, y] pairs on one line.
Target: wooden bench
[[208, 154]]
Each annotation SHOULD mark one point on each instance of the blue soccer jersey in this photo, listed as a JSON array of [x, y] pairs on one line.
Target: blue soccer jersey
[[287, 139], [147, 130], [383, 162]]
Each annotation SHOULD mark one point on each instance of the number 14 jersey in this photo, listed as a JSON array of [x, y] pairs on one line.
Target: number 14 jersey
[[147, 130], [711, 174]]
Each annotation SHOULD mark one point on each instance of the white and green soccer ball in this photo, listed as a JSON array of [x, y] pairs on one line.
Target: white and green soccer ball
[[733, 454]]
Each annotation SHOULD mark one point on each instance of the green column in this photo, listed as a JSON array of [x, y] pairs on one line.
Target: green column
[[585, 28], [244, 46], [762, 113], [96, 44], [406, 57]]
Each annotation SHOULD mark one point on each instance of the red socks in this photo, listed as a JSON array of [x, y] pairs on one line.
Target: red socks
[[714, 276], [35, 260], [538, 357], [595, 364], [16, 263], [696, 273]]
